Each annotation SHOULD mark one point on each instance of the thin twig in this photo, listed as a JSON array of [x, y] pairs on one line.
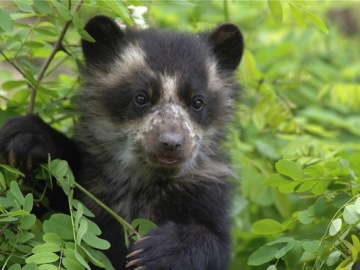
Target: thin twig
[[12, 63], [119, 219]]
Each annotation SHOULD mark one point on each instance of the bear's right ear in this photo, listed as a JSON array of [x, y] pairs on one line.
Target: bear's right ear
[[228, 45], [107, 35]]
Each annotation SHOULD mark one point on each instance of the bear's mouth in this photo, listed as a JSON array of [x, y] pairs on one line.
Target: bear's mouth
[[168, 160], [165, 161]]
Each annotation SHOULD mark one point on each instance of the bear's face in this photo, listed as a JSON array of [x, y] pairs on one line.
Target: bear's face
[[154, 99]]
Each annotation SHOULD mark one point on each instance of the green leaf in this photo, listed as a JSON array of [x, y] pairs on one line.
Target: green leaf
[[96, 242], [15, 267], [305, 186], [79, 214], [333, 258], [12, 170], [84, 210], [71, 264], [143, 225], [9, 85], [284, 250], [15, 190], [266, 227], [42, 6], [276, 10], [312, 246], [24, 6], [301, 3], [79, 25], [46, 32], [357, 205], [290, 169], [25, 236], [34, 44], [272, 267], [350, 215], [2, 182], [26, 222], [42, 257], [52, 238], [59, 224], [93, 227], [289, 188], [316, 21], [28, 202], [320, 187], [30, 266], [81, 260], [82, 230], [47, 267], [64, 176], [262, 255], [305, 217], [119, 9], [315, 171], [335, 226], [62, 10], [92, 256], [281, 202], [356, 242], [100, 257], [276, 180], [320, 207], [6, 23], [298, 15], [341, 199], [46, 247]]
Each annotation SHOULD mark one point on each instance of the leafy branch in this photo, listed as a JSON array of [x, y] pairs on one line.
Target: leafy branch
[[58, 46]]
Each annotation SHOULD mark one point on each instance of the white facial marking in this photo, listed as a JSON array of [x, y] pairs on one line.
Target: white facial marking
[[214, 81], [131, 58], [169, 86]]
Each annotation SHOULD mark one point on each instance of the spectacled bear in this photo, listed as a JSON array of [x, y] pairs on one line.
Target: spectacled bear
[[152, 116]]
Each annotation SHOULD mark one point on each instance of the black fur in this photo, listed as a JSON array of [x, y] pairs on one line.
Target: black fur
[[185, 193]]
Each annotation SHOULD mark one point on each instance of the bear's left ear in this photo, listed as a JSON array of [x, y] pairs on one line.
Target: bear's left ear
[[228, 45], [108, 40]]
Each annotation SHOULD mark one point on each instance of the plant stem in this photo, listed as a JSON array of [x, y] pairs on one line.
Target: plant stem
[[12, 63], [226, 10], [110, 211]]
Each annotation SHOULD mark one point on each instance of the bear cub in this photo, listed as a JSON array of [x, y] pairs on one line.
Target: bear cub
[[152, 116]]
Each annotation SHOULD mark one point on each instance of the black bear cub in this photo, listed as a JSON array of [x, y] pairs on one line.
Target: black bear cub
[[152, 116]]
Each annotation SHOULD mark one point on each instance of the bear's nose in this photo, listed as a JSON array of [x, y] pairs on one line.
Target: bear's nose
[[171, 141]]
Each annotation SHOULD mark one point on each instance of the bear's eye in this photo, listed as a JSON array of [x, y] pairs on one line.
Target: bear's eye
[[197, 104], [141, 100]]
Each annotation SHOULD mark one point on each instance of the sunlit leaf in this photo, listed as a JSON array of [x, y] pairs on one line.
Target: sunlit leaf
[[42, 6], [262, 255], [333, 258], [266, 227], [42, 257], [290, 169], [59, 224], [316, 21], [46, 247], [298, 15], [350, 215], [15, 190], [276, 10], [335, 226], [6, 23], [119, 9]]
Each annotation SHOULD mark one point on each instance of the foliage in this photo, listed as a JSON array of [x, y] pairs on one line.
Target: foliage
[[69, 241], [294, 142]]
